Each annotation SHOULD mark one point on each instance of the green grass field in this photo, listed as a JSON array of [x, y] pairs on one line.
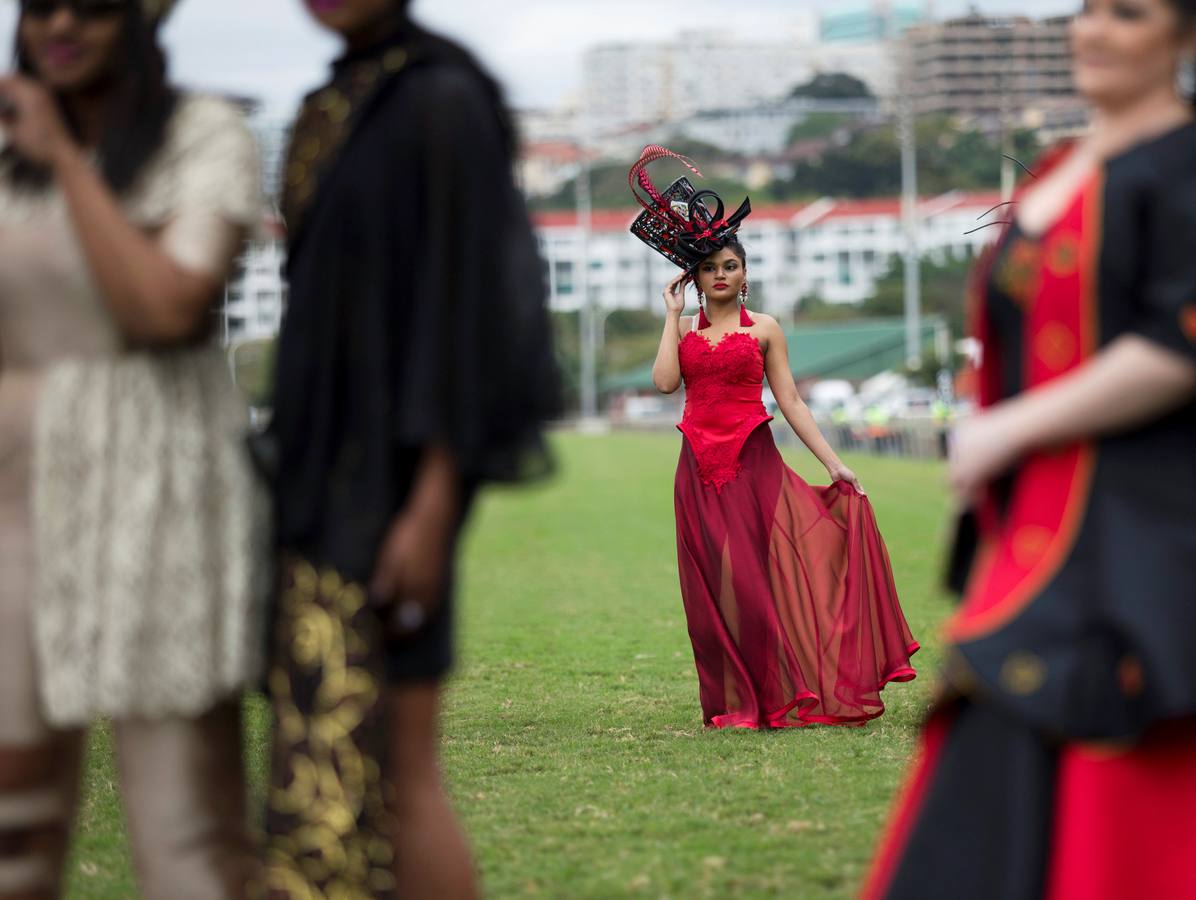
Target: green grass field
[[573, 738]]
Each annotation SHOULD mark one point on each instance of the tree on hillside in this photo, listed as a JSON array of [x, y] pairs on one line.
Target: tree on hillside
[[833, 86], [608, 187], [870, 164], [944, 293], [817, 125]]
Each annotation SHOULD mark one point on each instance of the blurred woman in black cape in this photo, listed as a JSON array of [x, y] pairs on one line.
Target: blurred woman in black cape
[[414, 365]]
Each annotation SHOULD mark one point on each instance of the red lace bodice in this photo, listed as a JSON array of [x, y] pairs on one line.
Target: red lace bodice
[[723, 385]]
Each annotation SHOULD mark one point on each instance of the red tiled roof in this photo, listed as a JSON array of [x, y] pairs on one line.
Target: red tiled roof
[[890, 207], [602, 219], [557, 151], [851, 209], [880, 207], [619, 219]]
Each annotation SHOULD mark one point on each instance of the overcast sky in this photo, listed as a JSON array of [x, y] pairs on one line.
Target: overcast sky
[[270, 50]]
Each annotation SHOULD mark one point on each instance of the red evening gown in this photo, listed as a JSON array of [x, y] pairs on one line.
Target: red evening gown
[[787, 588]]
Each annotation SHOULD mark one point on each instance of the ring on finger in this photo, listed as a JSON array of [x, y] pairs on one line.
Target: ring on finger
[[409, 616]]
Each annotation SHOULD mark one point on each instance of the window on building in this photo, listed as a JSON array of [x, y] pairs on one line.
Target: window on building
[[844, 267], [564, 277]]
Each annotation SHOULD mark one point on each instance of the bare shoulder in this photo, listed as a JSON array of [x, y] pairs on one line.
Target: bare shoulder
[[770, 326]]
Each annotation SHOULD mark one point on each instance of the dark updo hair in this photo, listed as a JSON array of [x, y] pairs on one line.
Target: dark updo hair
[[733, 244], [139, 107]]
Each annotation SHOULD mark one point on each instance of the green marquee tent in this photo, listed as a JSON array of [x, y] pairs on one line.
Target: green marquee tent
[[853, 350]]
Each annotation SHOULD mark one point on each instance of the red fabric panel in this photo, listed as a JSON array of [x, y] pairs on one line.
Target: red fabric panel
[[1026, 550], [1124, 824], [788, 594]]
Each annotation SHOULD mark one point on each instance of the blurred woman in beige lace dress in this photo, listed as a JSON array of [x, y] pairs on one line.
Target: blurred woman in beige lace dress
[[127, 509]]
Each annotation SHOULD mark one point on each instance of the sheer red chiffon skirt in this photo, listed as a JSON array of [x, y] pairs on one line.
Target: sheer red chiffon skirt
[[788, 594]]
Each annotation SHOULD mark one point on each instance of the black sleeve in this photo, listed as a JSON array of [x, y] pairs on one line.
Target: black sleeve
[[480, 374], [1166, 311]]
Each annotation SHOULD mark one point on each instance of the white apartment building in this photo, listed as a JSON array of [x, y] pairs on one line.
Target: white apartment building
[[272, 136], [764, 129], [632, 84], [831, 249], [649, 83], [256, 296], [544, 167], [990, 69], [835, 250]]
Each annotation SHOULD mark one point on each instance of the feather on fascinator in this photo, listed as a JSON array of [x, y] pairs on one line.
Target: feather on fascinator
[[681, 223]]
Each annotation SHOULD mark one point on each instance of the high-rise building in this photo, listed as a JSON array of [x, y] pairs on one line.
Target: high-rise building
[[835, 250], [272, 136], [633, 84], [871, 22], [255, 296], [651, 83], [1009, 70]]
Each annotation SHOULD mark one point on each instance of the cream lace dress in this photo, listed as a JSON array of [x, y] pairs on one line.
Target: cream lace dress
[[132, 530]]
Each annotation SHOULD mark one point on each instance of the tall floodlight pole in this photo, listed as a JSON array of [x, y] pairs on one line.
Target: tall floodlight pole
[[1008, 176], [588, 348], [909, 219]]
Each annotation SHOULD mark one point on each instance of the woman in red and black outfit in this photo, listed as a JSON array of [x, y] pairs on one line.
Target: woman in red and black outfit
[[1061, 759], [787, 588]]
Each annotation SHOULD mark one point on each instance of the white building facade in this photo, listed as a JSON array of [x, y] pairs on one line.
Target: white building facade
[[255, 297], [833, 250], [630, 84]]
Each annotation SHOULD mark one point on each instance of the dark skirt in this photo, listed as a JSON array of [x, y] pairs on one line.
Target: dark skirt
[[993, 810]]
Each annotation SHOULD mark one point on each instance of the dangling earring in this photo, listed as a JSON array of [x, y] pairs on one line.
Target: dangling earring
[[703, 322], [1185, 81], [745, 321]]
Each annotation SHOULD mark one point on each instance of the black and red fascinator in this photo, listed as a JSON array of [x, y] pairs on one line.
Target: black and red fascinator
[[681, 223]]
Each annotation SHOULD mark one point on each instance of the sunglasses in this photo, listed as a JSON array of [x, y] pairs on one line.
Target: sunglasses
[[82, 9]]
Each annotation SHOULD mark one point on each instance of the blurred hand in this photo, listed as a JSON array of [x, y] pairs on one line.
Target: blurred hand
[[411, 572], [674, 294], [31, 118], [840, 472], [982, 447]]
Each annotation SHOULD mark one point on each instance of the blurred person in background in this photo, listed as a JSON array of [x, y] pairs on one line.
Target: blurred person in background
[[414, 365], [127, 505], [787, 588], [1060, 758]]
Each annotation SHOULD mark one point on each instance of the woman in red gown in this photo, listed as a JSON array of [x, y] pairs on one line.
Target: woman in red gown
[[787, 588]]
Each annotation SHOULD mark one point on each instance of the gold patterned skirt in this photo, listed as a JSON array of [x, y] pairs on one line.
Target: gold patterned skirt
[[327, 827]]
